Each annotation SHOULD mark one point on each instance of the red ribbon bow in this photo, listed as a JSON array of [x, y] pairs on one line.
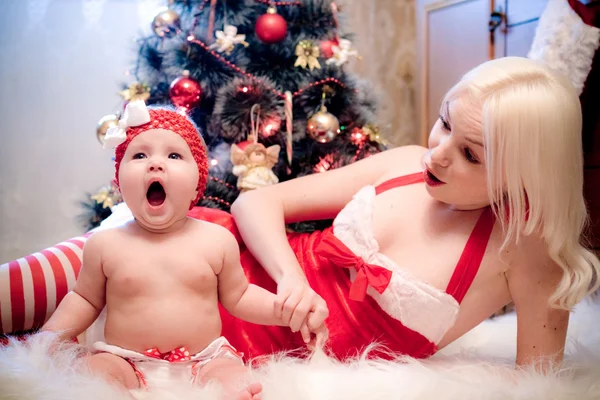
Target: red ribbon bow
[[177, 355], [338, 254]]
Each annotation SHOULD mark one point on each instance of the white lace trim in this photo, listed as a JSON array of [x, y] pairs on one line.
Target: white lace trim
[[565, 43], [417, 305]]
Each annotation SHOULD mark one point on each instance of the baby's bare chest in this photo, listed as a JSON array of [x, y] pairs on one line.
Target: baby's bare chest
[[137, 269]]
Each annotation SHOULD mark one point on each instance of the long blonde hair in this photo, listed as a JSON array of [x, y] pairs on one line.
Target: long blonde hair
[[531, 121]]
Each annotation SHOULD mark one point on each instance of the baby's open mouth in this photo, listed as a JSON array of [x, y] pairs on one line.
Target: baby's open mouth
[[156, 194]]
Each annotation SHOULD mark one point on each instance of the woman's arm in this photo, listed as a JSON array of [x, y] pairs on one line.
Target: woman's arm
[[261, 214], [541, 329]]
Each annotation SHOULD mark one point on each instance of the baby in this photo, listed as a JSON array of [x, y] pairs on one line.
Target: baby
[[163, 275]]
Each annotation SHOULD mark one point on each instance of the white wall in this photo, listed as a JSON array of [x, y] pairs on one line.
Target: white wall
[[61, 62]]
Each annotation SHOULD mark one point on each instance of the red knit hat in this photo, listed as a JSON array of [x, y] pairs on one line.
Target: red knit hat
[[161, 118]]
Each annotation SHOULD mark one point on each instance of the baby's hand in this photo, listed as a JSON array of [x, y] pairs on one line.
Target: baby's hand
[[321, 335], [297, 304]]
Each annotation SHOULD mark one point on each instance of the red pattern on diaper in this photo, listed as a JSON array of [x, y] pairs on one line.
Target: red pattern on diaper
[[176, 355], [138, 373]]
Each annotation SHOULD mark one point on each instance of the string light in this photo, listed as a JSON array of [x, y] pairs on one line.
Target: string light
[[191, 38], [218, 200], [357, 137], [280, 3], [268, 130], [222, 182]]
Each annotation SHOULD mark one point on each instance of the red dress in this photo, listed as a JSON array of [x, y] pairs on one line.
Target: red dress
[[355, 320]]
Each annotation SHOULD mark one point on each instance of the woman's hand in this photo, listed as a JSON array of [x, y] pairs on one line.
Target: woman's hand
[[301, 308]]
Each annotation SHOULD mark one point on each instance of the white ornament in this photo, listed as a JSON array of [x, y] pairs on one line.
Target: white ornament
[[342, 53], [227, 39]]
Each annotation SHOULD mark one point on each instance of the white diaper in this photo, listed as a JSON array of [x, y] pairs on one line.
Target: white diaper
[[156, 372]]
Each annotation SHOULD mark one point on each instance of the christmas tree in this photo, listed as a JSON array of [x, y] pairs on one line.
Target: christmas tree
[[247, 71]]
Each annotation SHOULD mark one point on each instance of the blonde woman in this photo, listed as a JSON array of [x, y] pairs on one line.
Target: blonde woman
[[429, 242]]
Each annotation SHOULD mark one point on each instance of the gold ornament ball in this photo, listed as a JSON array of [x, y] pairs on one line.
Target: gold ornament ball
[[105, 123], [166, 24], [323, 126]]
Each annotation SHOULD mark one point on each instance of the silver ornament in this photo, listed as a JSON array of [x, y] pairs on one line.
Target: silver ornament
[[166, 24], [105, 123], [323, 126]]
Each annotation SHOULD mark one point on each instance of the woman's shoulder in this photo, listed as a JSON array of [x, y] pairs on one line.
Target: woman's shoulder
[[411, 151], [403, 160], [528, 260]]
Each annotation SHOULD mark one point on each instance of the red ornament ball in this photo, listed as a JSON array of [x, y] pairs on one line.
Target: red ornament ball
[[185, 92], [271, 27], [327, 47]]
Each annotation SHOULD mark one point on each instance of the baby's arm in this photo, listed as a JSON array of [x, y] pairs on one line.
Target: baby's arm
[[242, 299], [541, 329], [80, 307]]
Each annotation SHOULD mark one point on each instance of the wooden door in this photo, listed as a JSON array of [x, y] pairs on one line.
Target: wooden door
[[455, 35], [452, 38], [515, 34]]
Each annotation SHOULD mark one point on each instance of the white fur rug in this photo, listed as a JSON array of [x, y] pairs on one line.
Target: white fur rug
[[477, 366]]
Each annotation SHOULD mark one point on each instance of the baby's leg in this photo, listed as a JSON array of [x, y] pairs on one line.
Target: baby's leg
[[113, 369], [233, 376]]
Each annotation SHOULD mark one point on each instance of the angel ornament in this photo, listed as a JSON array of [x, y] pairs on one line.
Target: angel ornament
[[227, 39], [342, 53], [253, 165]]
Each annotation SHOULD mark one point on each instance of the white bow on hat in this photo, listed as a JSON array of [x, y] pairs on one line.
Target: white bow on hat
[[135, 114]]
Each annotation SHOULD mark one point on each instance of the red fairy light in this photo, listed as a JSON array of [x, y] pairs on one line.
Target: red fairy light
[[357, 137], [268, 130], [270, 127]]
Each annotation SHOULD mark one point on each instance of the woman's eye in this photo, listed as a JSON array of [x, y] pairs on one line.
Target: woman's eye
[[175, 156], [445, 124], [470, 156], [139, 156]]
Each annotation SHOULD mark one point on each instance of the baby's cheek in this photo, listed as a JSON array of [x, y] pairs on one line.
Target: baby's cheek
[[186, 187]]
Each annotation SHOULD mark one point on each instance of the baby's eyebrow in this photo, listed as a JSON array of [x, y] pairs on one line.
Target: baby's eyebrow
[[141, 147]]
